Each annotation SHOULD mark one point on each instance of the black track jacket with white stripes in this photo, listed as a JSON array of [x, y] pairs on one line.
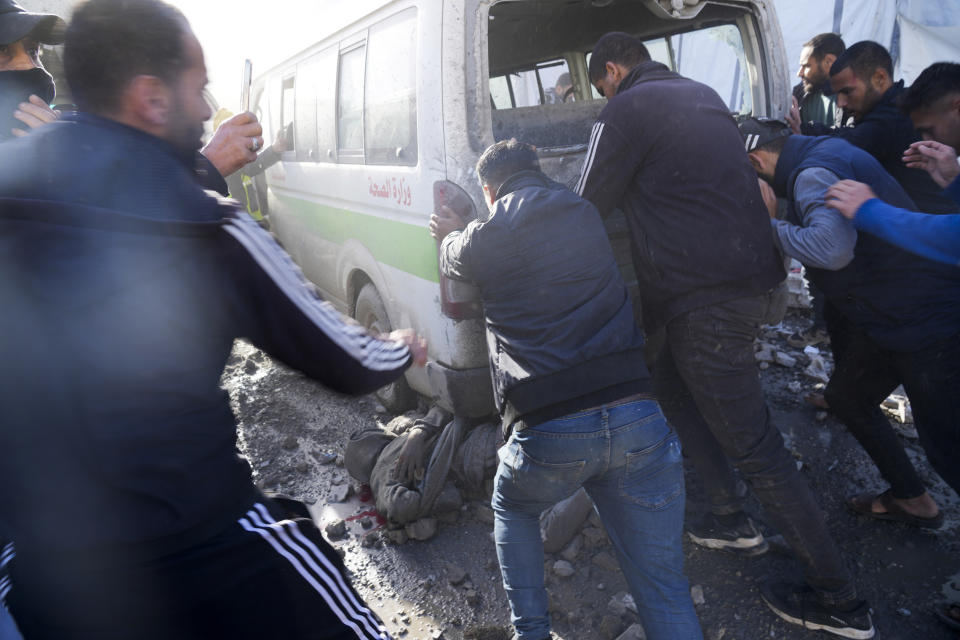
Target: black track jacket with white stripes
[[124, 286], [666, 150]]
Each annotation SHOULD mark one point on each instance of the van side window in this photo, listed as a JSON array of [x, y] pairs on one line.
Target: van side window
[[532, 87], [306, 112], [325, 78], [727, 72], [350, 106], [391, 91], [287, 110]]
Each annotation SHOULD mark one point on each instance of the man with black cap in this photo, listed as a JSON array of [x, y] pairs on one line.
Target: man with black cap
[[893, 317], [26, 89], [706, 263]]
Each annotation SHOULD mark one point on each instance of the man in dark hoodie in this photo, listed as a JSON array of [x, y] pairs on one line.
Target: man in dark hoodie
[[572, 390], [124, 287], [893, 317], [862, 78], [668, 152]]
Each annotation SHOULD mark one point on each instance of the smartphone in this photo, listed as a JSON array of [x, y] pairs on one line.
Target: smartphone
[[245, 87]]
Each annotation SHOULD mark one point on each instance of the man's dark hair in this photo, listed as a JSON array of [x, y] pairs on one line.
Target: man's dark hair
[[864, 58], [774, 146], [825, 43], [110, 42], [619, 48], [936, 81], [505, 158]]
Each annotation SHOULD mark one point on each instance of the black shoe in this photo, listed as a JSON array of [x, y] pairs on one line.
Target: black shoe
[[800, 605], [736, 533]]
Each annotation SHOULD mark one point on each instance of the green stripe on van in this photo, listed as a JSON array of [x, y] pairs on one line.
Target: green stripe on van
[[401, 245]]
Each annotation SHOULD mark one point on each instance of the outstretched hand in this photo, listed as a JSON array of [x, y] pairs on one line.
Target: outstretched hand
[[847, 196], [416, 344], [937, 159]]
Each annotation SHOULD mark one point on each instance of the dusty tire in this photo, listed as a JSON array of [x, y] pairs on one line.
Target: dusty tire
[[370, 311]]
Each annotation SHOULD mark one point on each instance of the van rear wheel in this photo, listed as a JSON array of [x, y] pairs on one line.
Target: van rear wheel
[[370, 311]]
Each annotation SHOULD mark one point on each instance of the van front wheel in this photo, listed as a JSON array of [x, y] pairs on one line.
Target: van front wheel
[[397, 396]]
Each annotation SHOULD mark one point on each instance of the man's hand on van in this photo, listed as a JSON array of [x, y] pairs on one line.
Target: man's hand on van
[[235, 143], [416, 344], [444, 221]]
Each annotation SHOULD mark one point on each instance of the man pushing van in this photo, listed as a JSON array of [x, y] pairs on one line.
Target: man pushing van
[[572, 391]]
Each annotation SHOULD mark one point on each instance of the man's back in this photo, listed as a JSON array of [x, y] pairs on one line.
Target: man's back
[[555, 303], [669, 153]]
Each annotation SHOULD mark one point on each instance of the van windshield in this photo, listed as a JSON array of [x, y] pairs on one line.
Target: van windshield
[[539, 52]]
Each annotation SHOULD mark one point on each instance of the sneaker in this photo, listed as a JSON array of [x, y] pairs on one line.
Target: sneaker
[[800, 605], [740, 536], [811, 336]]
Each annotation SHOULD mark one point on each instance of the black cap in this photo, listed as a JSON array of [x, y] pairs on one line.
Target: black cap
[[17, 23], [759, 131]]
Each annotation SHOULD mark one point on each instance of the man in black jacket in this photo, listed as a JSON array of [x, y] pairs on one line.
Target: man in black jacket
[[124, 288], [572, 389], [862, 78], [667, 151]]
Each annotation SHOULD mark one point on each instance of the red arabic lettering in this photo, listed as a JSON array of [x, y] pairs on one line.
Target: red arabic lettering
[[392, 188]]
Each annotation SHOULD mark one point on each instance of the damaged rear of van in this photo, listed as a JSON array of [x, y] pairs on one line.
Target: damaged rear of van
[[385, 120]]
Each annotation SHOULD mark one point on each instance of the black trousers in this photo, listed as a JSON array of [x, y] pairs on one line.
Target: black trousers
[[265, 576], [865, 374], [707, 383]]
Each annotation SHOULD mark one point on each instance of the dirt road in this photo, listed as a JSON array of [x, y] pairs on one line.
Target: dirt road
[[449, 586]]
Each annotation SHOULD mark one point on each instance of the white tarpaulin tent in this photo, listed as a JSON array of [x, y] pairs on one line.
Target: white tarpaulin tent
[[917, 32]]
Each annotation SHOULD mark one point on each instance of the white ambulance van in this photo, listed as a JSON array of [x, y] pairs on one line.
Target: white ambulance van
[[386, 118]]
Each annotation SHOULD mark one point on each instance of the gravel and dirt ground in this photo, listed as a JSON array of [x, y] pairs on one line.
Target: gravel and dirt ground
[[293, 430]]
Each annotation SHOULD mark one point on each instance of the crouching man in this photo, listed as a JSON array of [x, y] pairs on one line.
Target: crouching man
[[893, 317], [572, 391]]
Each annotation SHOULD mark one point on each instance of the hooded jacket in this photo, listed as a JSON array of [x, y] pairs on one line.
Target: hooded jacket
[[560, 327], [124, 288], [885, 133], [904, 302], [666, 150]]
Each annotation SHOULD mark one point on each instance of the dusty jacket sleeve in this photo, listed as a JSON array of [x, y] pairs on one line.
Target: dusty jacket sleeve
[[456, 253], [607, 168], [825, 239], [932, 236], [280, 313]]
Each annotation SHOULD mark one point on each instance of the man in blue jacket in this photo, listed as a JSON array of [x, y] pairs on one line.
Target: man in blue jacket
[[667, 151], [124, 287], [572, 390], [933, 104], [893, 317]]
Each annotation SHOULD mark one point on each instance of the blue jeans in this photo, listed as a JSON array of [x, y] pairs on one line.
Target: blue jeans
[[628, 459]]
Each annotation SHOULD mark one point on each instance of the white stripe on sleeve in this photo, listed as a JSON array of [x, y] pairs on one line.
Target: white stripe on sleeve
[[591, 155]]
